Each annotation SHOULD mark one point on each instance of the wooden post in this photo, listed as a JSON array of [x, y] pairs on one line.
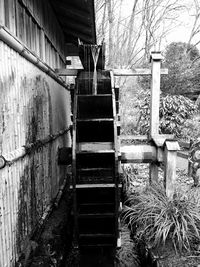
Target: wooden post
[[154, 111], [170, 156], [155, 93]]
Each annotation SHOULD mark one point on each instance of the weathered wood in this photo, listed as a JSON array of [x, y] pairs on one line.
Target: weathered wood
[[2, 13], [170, 172], [116, 72], [136, 72], [83, 186], [184, 144], [172, 145], [155, 102], [160, 139], [134, 137], [138, 154], [182, 155], [95, 147], [155, 94], [67, 72], [170, 156], [153, 173]]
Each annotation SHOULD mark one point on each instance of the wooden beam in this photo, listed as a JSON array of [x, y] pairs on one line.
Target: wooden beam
[[157, 139], [95, 147], [67, 72], [138, 154], [134, 137], [153, 173], [155, 94], [154, 109], [136, 72], [160, 139], [170, 156]]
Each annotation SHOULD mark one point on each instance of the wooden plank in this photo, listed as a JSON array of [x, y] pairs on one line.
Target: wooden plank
[[12, 18], [2, 12], [42, 45], [67, 72], [136, 72], [138, 154], [83, 186], [172, 145], [184, 144], [182, 155], [95, 146], [170, 172], [154, 110], [134, 137], [153, 173], [155, 98], [64, 72]]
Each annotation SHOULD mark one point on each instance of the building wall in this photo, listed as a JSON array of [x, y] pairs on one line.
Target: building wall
[[33, 22], [33, 107]]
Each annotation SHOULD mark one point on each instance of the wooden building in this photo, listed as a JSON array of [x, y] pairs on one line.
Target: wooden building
[[35, 38]]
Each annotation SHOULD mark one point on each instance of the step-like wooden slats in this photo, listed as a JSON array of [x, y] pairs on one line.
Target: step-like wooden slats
[[95, 131], [96, 186], [95, 147], [94, 106]]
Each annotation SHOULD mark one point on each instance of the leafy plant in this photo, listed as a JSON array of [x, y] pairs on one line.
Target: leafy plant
[[191, 129], [158, 219], [182, 61], [174, 111], [127, 255]]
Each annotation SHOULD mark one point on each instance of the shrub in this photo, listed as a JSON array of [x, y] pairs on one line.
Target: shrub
[[157, 219], [191, 129], [127, 255], [174, 111]]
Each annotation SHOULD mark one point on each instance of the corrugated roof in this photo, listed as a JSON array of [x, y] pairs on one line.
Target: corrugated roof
[[77, 19]]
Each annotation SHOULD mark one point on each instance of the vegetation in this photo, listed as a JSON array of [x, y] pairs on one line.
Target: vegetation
[[127, 255], [182, 61], [159, 220], [174, 111]]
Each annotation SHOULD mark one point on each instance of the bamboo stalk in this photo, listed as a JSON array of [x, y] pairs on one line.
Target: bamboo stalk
[[14, 155], [15, 44]]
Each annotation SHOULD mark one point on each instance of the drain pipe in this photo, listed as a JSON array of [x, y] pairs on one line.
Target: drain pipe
[[15, 44]]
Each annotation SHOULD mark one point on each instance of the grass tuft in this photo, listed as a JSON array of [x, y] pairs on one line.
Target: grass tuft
[[158, 219]]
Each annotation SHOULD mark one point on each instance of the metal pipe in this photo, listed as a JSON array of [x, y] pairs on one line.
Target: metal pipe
[[14, 155], [15, 44]]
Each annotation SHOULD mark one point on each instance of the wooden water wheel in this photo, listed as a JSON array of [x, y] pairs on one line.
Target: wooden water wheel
[[95, 164]]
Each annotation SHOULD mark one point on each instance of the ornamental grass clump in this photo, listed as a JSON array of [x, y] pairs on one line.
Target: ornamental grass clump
[[156, 219]]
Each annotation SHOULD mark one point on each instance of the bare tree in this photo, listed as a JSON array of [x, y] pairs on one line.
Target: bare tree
[[131, 37], [196, 24]]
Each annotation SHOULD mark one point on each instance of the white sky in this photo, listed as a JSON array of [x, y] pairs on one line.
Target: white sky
[[178, 34]]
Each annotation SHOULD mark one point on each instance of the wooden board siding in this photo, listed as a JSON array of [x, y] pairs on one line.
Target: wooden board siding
[[32, 106], [31, 21]]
